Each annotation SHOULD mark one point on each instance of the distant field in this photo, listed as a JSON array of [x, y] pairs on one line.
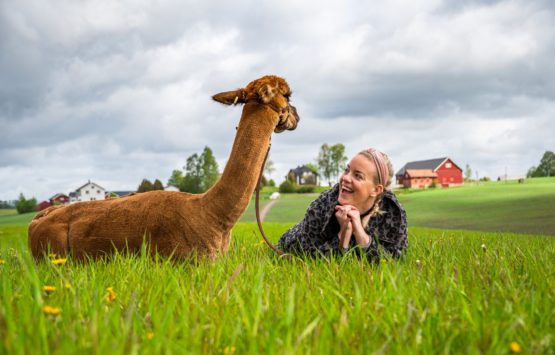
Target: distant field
[[7, 212], [496, 206], [11, 217]]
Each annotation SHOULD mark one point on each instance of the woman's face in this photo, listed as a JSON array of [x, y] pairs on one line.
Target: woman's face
[[356, 185]]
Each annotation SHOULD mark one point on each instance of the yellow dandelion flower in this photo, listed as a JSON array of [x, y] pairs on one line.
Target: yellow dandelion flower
[[229, 350], [111, 296], [59, 261], [515, 347], [52, 255], [48, 288], [67, 286], [150, 335], [51, 311], [2, 262]]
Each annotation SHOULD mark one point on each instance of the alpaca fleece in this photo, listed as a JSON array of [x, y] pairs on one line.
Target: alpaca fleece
[[175, 224]]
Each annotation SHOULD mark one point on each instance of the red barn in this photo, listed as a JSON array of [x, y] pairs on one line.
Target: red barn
[[423, 173], [59, 199], [43, 205]]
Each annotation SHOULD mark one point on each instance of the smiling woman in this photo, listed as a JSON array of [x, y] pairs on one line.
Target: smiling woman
[[359, 213]]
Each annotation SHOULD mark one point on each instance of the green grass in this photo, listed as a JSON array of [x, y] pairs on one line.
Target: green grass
[[14, 218], [495, 206], [7, 212], [448, 295], [527, 208], [289, 207], [454, 292]]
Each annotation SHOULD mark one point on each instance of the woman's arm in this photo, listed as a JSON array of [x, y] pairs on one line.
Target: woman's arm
[[391, 236], [389, 229], [310, 236]]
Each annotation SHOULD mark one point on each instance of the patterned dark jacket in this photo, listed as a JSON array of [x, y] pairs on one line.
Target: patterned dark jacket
[[316, 234]]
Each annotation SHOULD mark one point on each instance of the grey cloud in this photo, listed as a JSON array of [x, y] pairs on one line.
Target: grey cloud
[[128, 89]]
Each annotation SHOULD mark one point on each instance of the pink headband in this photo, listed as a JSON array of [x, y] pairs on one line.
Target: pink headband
[[381, 165]]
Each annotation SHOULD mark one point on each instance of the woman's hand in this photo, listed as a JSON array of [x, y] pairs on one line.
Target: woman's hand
[[342, 215], [345, 225]]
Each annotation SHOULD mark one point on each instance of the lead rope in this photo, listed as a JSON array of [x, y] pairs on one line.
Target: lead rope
[[257, 205]]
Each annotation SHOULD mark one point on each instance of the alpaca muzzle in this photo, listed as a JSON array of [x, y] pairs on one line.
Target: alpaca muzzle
[[288, 119]]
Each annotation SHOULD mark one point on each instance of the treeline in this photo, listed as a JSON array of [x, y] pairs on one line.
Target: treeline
[[7, 205], [199, 173], [545, 168], [147, 185], [24, 205]]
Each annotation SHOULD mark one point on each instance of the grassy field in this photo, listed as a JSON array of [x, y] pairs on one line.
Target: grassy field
[[11, 217], [494, 206], [455, 291], [464, 292], [7, 212], [527, 208]]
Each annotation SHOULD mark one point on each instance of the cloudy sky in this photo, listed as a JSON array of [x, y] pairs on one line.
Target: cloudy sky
[[118, 91]]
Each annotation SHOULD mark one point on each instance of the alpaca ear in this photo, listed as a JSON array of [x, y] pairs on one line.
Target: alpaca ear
[[230, 97]]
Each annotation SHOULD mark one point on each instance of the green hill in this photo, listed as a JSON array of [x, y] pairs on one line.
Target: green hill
[[496, 206], [11, 217], [527, 208]]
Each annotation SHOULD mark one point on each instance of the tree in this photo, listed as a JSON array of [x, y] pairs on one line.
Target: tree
[[201, 172], [331, 160], [210, 173], [467, 173], [192, 179], [312, 167], [324, 161], [24, 206], [144, 186], [338, 159], [176, 179], [531, 172], [269, 167], [157, 185], [546, 166]]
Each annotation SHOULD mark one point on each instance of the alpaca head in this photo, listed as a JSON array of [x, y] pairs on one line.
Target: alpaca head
[[270, 90]]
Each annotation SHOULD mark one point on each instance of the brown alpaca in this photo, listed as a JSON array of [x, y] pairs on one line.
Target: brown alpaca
[[175, 223]]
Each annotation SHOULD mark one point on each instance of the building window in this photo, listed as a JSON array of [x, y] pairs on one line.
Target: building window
[[97, 191], [448, 165], [87, 192]]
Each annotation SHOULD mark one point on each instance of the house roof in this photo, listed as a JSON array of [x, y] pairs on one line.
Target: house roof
[[58, 195], [430, 164], [89, 182], [121, 193], [300, 170], [420, 173]]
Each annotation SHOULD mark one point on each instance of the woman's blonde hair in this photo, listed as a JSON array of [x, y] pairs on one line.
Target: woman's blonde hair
[[368, 153], [387, 183]]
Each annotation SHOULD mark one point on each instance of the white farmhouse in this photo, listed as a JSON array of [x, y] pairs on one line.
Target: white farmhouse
[[88, 192]]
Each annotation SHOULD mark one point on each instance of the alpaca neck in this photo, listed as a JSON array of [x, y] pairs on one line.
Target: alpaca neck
[[228, 199]]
